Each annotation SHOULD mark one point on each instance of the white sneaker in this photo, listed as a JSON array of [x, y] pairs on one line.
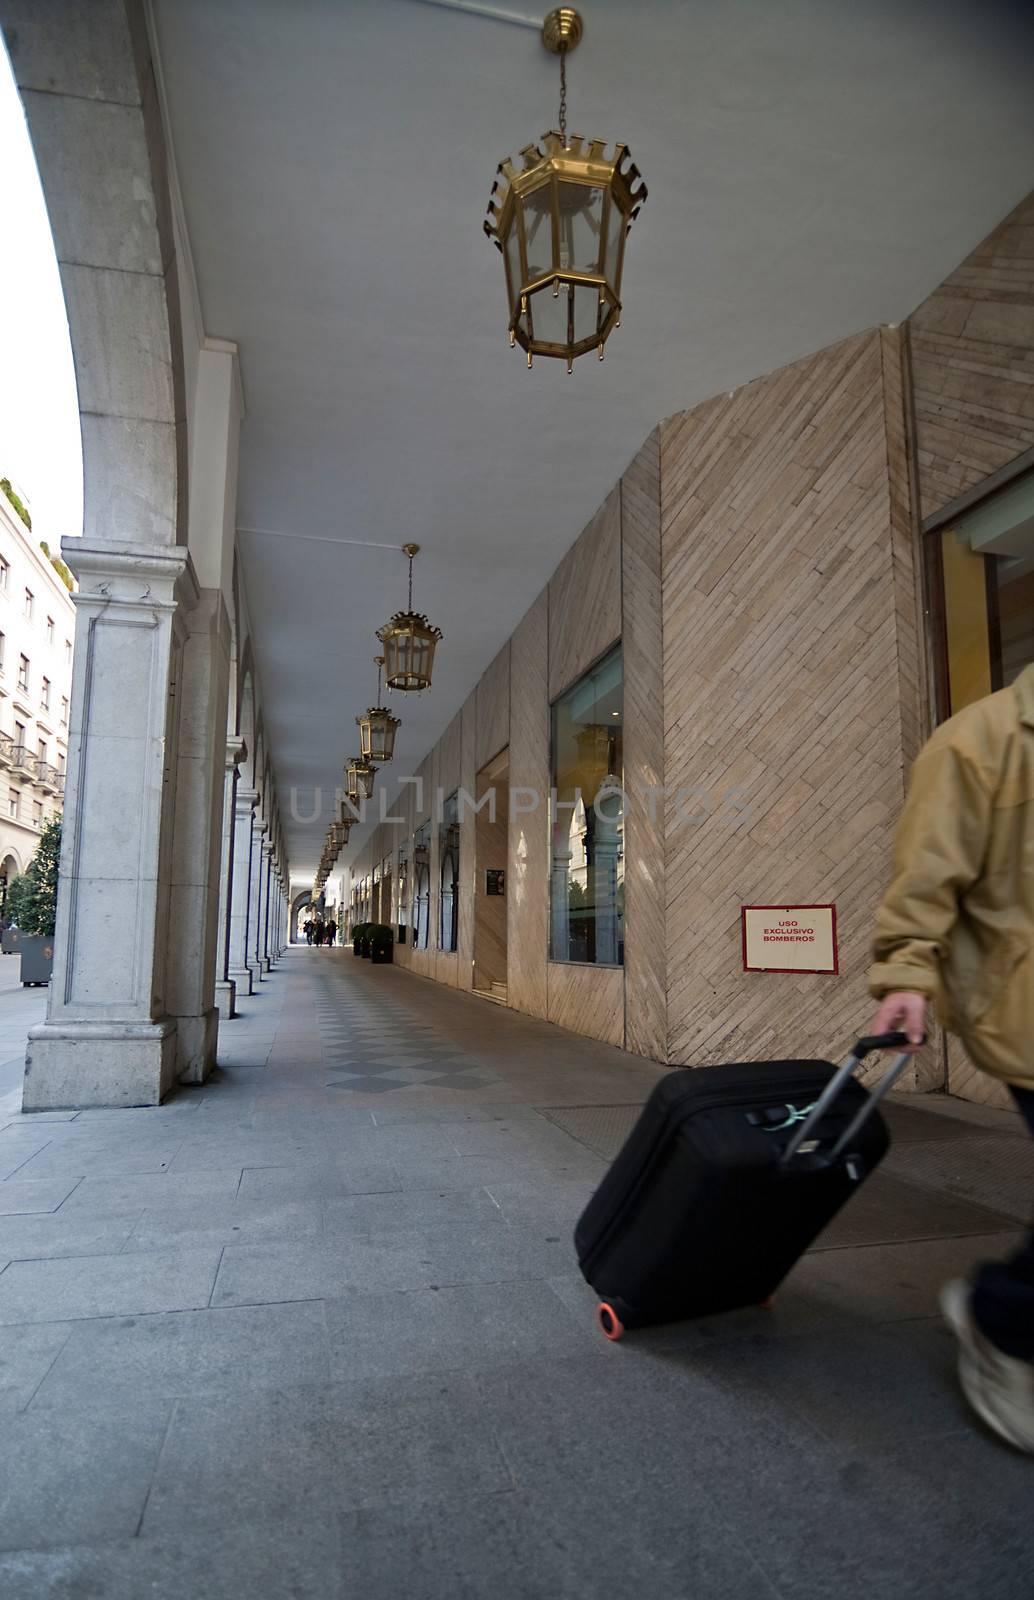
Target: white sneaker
[[998, 1387]]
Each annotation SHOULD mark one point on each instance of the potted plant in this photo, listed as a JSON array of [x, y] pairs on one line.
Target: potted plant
[[35, 907], [382, 941]]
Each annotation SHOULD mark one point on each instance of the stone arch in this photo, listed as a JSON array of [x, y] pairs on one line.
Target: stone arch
[[299, 905], [246, 727], [10, 866], [87, 84]]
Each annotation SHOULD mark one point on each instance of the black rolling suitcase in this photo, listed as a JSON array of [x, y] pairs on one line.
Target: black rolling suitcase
[[724, 1182]]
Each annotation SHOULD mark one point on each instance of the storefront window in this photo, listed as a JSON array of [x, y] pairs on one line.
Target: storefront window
[[421, 885], [981, 571], [587, 820], [449, 854]]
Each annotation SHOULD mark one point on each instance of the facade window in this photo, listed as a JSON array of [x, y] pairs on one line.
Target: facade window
[[64, 711], [30, 603], [14, 803], [3, 642], [980, 571], [37, 813], [19, 734], [403, 894], [449, 857], [50, 630], [587, 873], [44, 694], [421, 886], [5, 575], [41, 749], [68, 652], [23, 672], [61, 761]]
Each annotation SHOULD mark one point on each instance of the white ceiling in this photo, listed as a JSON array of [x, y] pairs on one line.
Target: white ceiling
[[814, 167]]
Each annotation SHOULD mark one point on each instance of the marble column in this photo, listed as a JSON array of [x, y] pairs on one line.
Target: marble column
[[258, 833], [225, 985], [239, 967], [197, 833], [267, 952], [109, 1038]]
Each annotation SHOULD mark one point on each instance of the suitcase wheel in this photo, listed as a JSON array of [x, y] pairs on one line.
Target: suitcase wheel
[[610, 1323]]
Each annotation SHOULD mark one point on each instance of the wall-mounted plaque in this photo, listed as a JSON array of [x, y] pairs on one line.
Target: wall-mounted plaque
[[789, 938], [495, 880]]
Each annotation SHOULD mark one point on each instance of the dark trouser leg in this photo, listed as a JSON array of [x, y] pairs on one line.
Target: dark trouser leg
[[1003, 1295]]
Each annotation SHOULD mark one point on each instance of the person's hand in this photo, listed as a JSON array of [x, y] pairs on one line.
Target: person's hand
[[902, 1012]]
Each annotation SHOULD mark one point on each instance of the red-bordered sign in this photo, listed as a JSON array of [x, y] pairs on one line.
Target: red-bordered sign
[[789, 938]]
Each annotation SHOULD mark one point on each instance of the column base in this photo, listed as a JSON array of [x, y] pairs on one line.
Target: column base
[[73, 1066], [226, 999], [265, 964], [243, 979], [196, 1041]]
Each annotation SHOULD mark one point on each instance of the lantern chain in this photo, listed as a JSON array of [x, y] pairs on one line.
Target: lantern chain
[[411, 583], [563, 96]]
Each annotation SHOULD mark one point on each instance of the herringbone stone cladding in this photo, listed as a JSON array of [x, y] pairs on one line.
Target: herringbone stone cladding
[[791, 685]]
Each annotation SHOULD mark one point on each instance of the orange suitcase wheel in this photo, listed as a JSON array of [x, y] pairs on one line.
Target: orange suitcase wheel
[[610, 1323]]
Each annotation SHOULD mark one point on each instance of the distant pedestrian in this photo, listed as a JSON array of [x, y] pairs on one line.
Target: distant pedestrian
[[320, 931], [309, 929], [330, 932]]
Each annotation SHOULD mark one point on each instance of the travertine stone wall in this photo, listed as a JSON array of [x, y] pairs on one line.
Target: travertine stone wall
[[791, 687], [493, 709], [973, 365], [645, 930], [527, 889]]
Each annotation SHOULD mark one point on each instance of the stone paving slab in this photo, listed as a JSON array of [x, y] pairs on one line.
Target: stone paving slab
[[189, 1354], [28, 1196], [339, 1346], [102, 1286]]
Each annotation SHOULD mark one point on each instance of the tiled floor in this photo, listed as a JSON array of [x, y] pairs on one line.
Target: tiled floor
[[316, 1331]]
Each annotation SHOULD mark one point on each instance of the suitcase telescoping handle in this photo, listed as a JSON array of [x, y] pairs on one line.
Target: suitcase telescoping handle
[[864, 1047]]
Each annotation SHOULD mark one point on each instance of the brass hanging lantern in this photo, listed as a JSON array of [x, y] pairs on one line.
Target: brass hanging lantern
[[377, 727], [359, 776], [560, 222], [409, 642]]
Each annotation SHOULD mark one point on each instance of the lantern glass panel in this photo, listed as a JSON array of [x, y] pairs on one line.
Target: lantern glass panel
[[587, 312], [538, 231], [515, 277], [581, 225], [615, 233], [549, 315]]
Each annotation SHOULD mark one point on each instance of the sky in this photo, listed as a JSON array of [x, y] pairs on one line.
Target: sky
[[40, 447]]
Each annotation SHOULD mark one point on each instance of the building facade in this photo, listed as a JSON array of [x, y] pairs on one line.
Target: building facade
[[786, 589], [37, 633], [712, 704]]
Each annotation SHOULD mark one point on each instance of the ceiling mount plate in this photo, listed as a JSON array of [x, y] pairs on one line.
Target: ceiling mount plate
[[562, 30]]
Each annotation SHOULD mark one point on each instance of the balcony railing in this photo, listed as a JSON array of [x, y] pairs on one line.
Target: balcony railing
[[48, 776], [6, 749]]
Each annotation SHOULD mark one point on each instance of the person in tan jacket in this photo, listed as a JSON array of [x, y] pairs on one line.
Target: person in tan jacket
[[955, 930]]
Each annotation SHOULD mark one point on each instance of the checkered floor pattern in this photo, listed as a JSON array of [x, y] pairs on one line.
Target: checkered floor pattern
[[379, 1047]]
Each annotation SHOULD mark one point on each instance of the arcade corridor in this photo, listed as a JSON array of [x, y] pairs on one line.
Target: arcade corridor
[[315, 1329]]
